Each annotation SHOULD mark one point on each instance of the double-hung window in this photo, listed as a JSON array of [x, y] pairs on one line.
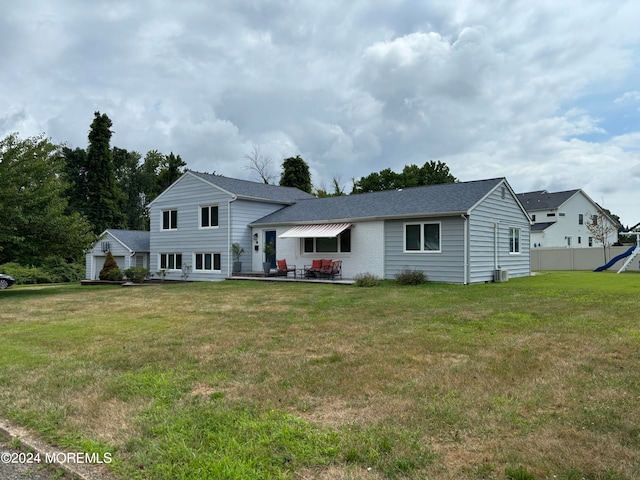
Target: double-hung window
[[514, 240], [208, 262], [422, 237], [170, 261], [209, 216], [169, 219]]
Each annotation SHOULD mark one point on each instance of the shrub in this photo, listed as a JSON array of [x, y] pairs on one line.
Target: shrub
[[137, 274], [60, 270], [366, 280], [410, 277], [110, 270], [24, 275]]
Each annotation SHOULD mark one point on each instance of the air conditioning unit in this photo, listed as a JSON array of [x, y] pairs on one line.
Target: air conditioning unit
[[500, 275]]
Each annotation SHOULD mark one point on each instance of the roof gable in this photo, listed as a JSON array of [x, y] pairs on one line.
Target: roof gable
[[543, 200], [244, 189], [432, 200], [132, 240]]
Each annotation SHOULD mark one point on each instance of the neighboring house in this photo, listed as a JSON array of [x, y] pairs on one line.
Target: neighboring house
[[560, 218], [195, 221], [130, 248], [457, 233]]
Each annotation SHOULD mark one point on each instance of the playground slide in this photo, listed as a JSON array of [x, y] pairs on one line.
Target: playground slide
[[615, 259]]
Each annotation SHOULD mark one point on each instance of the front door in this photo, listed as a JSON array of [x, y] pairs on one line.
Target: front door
[[270, 237]]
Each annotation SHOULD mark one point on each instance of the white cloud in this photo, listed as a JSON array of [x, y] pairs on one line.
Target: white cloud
[[493, 89]]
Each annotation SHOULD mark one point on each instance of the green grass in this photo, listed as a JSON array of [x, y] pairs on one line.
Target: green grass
[[531, 378]]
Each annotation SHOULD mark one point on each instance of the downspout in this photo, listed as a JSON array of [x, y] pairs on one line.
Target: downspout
[[495, 245], [465, 246], [233, 199]]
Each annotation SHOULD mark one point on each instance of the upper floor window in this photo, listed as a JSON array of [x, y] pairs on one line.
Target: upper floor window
[[422, 237], [209, 216], [580, 219], [514, 240], [169, 219]]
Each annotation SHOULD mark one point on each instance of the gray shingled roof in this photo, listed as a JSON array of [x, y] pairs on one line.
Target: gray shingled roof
[[255, 190], [445, 199], [543, 200], [134, 240], [539, 227]]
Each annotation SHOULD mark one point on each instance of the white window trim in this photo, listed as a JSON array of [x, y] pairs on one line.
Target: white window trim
[[205, 270], [200, 217], [422, 250], [174, 261], [315, 248], [162, 229], [519, 230]]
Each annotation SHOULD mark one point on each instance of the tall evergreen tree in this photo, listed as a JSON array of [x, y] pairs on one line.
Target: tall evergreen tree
[[171, 168], [104, 197], [295, 173]]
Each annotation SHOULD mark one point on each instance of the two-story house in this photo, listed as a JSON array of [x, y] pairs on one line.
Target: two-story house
[[195, 221], [560, 219]]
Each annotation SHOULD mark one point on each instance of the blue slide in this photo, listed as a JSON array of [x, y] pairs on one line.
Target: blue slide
[[612, 262]]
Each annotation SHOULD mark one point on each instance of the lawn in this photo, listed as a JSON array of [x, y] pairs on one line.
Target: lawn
[[535, 378]]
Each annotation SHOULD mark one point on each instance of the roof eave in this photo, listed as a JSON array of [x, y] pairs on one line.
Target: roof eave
[[360, 219]]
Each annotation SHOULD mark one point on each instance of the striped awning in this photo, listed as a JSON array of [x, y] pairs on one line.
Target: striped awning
[[325, 230]]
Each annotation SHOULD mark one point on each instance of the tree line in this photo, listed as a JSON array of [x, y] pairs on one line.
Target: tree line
[[55, 200]]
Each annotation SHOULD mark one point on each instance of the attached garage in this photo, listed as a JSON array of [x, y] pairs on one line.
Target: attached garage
[[130, 248]]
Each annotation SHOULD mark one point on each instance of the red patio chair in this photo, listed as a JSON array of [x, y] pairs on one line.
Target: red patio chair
[[283, 269], [313, 269]]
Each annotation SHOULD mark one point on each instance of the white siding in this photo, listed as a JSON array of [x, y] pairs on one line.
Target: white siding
[[567, 225], [366, 256]]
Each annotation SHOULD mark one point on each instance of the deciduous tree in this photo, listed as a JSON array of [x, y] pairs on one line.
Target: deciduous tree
[[431, 173], [35, 224]]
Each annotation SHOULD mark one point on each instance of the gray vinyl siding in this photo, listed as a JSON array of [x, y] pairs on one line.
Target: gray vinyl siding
[[445, 266], [188, 239], [496, 215], [95, 258], [243, 213], [187, 196]]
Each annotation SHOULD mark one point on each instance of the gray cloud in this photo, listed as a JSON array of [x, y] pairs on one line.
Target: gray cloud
[[493, 89]]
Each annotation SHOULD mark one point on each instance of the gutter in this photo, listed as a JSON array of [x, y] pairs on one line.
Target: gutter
[[465, 246], [358, 219], [233, 199]]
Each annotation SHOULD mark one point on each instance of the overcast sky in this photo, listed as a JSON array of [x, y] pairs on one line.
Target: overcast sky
[[545, 93]]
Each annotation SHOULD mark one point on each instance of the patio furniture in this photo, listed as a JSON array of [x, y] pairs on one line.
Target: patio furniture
[[284, 269], [336, 269], [313, 269], [324, 268]]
